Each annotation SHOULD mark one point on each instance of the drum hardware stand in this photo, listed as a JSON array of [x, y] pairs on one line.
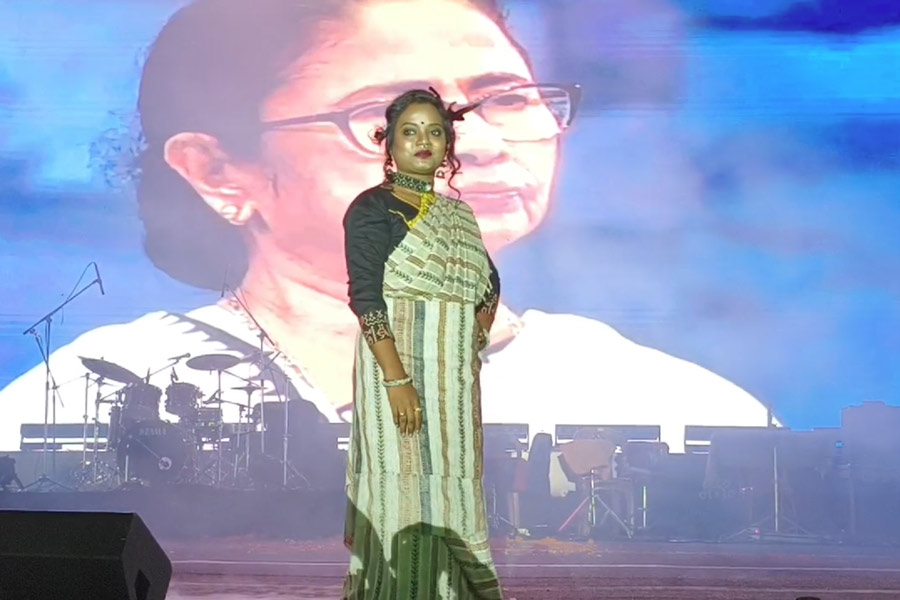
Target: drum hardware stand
[[263, 360], [286, 435], [286, 463], [287, 467], [84, 434], [96, 463], [46, 349], [496, 520], [243, 430], [218, 397], [262, 445], [219, 459], [235, 466], [100, 382], [264, 364]]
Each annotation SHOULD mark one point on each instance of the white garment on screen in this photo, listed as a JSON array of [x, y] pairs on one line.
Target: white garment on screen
[[559, 369]]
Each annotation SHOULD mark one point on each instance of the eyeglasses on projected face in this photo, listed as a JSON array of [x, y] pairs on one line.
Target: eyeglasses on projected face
[[523, 113]]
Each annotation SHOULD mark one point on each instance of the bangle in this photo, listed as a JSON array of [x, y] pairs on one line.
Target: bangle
[[397, 382]]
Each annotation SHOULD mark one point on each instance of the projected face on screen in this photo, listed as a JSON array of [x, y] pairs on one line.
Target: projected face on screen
[[317, 154], [257, 120]]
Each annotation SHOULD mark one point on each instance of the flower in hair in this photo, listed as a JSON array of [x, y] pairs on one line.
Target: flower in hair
[[454, 113]]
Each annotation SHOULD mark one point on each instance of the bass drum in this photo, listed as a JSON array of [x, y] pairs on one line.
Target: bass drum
[[156, 452]]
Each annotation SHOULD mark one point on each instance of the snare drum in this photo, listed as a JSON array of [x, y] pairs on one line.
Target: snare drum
[[141, 402], [182, 399]]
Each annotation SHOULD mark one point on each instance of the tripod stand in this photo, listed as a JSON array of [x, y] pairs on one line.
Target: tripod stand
[[51, 397], [775, 524], [496, 521], [264, 362]]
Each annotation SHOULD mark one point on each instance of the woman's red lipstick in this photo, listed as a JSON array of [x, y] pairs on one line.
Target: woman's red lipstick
[[424, 153]]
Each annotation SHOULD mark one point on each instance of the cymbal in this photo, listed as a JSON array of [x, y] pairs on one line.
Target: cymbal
[[255, 355], [249, 388], [109, 370], [212, 362]]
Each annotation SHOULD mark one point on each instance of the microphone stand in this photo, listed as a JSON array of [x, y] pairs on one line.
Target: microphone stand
[[264, 364], [46, 349]]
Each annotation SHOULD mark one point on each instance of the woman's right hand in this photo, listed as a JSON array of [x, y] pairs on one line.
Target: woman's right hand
[[406, 409]]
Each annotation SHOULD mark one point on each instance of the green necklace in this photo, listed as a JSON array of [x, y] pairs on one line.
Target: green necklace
[[410, 183]]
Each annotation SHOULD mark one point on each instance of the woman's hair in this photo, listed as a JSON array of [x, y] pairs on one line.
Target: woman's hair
[[388, 133], [209, 71]]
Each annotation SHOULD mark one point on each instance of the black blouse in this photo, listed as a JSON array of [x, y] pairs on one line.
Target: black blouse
[[375, 223]]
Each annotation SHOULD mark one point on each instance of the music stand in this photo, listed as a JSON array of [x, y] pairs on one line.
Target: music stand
[[774, 440]]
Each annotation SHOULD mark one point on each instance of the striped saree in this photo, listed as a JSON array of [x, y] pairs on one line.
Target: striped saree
[[416, 521]]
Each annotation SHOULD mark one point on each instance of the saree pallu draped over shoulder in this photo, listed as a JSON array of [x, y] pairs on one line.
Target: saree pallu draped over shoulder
[[416, 521]]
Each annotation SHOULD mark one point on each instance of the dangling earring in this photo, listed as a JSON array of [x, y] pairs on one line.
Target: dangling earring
[[229, 212], [440, 174], [388, 168]]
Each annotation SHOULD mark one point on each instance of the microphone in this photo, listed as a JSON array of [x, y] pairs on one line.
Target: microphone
[[100, 281], [180, 356]]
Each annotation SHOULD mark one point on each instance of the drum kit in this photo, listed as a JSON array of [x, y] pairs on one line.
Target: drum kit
[[143, 448]]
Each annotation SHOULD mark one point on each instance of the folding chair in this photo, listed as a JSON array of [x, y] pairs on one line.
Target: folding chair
[[589, 463]]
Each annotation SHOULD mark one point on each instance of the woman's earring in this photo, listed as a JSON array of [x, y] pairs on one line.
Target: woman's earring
[[440, 174], [229, 212], [236, 215]]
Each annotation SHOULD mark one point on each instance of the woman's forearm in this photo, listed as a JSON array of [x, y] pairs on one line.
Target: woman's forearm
[[388, 359]]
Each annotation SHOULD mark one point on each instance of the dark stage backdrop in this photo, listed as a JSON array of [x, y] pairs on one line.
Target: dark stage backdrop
[[726, 194]]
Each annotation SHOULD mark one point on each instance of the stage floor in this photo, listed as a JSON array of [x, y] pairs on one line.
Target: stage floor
[[245, 568]]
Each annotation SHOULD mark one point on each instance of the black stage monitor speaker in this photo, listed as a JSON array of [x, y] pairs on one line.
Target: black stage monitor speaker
[[74, 555]]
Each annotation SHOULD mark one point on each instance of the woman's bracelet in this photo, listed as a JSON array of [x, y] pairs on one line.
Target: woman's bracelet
[[397, 382]]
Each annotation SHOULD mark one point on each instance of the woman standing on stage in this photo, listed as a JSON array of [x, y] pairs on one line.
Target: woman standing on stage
[[425, 292]]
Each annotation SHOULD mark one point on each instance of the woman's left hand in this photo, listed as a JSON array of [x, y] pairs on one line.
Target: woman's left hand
[[484, 321], [484, 338]]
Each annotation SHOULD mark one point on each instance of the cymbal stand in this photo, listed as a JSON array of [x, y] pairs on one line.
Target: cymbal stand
[[286, 465], [95, 459], [219, 460], [245, 409], [51, 397], [84, 435], [221, 428], [263, 336], [239, 432], [286, 434], [287, 468], [96, 424]]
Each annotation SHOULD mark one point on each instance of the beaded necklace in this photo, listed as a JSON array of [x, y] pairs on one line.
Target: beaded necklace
[[427, 197]]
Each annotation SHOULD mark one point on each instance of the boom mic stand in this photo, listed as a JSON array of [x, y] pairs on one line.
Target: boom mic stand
[[264, 363], [45, 349]]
